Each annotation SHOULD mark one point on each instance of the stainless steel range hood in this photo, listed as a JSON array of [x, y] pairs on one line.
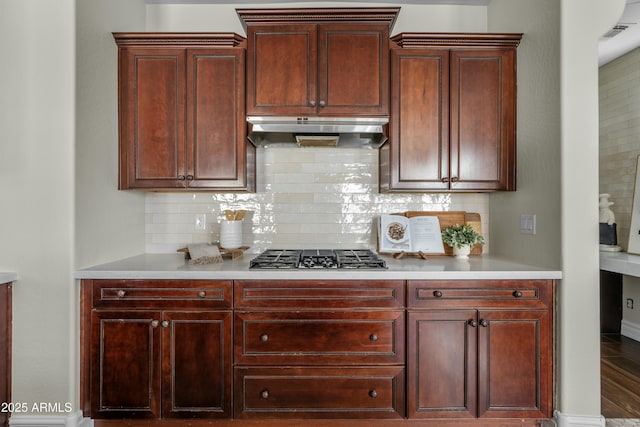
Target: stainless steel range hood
[[345, 132]]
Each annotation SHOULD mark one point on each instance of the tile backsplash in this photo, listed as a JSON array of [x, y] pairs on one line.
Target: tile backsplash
[[306, 198]]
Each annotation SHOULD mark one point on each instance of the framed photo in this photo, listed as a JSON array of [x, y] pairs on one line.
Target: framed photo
[[634, 229]]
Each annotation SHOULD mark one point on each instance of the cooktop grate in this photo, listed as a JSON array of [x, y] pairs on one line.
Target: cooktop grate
[[317, 259]]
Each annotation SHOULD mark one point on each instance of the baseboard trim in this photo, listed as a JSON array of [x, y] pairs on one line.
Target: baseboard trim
[[630, 330], [568, 420], [72, 420]]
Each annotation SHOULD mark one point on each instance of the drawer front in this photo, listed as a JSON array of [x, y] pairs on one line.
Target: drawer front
[[272, 294], [162, 293], [319, 392], [319, 337], [480, 293]]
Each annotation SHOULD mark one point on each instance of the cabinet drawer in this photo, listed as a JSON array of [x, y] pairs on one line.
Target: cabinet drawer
[[319, 392], [319, 337], [162, 293], [319, 294], [480, 293]]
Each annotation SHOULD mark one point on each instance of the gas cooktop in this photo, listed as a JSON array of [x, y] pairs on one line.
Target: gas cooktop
[[317, 258]]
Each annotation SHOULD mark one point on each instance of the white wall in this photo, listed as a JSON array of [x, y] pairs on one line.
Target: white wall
[[37, 86]]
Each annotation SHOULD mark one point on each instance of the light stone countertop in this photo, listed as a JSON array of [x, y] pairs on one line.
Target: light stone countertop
[[6, 277], [620, 262], [174, 266]]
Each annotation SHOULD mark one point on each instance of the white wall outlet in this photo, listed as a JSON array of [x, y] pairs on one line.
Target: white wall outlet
[[527, 224], [201, 222]]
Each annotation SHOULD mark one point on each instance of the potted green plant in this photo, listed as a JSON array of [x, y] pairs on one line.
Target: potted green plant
[[461, 238]]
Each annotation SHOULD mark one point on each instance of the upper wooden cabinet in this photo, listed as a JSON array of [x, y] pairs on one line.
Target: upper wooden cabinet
[[181, 112], [453, 113], [307, 62]]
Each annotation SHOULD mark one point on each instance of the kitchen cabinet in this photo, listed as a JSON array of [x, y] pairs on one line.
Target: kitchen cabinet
[[479, 349], [156, 349], [453, 113], [5, 351], [319, 349], [181, 112], [326, 62]]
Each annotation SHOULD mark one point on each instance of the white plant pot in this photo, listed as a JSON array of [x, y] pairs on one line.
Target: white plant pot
[[463, 252]]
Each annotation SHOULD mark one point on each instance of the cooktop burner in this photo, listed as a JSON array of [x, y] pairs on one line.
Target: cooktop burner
[[317, 258]]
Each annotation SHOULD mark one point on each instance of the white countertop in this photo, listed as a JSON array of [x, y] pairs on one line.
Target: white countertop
[[7, 277], [620, 262], [173, 266]]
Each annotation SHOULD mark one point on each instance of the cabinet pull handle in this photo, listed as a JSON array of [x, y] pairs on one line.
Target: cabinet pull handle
[[181, 177], [264, 337], [154, 323], [264, 394], [121, 293], [322, 103], [444, 179], [373, 394], [517, 294], [484, 323], [455, 179], [202, 294], [373, 337], [437, 294], [189, 177], [312, 102], [473, 323], [165, 323]]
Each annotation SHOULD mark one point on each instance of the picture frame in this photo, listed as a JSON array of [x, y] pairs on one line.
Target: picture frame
[[634, 228]]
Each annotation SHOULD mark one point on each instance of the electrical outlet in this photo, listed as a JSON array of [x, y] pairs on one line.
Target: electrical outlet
[[201, 222], [527, 224], [630, 303]]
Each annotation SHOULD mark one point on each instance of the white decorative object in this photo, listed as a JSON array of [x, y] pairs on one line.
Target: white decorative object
[[634, 229], [606, 214], [231, 234], [462, 252]]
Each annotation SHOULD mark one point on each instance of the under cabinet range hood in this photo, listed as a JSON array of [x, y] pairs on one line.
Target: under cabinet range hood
[[344, 132]]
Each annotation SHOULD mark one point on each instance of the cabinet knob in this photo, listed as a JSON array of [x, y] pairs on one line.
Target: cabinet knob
[[165, 323], [181, 177], [437, 294], [444, 179], [322, 103], [373, 337], [264, 337], [484, 323], [312, 103], [121, 293], [517, 294], [154, 323], [264, 394], [455, 179], [189, 177], [473, 323], [373, 394], [202, 294]]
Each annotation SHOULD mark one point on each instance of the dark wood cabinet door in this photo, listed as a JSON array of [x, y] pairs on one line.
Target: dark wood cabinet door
[[418, 151], [216, 128], [151, 115], [125, 360], [514, 364], [483, 92], [5, 349], [441, 364], [353, 69], [197, 364], [282, 69]]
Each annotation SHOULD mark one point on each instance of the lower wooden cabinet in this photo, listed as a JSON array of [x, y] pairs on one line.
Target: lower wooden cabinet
[[5, 350]]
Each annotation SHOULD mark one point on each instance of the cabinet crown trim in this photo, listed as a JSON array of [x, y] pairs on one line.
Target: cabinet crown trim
[[466, 40], [179, 39], [311, 15]]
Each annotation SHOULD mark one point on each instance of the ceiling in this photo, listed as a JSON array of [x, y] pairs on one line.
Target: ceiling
[[624, 38]]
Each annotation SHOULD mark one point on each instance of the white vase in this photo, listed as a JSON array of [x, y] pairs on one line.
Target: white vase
[[462, 252]]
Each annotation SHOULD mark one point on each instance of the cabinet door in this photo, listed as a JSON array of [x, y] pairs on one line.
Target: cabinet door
[[514, 364], [151, 115], [125, 360], [282, 70], [441, 364], [197, 364], [417, 155], [353, 69], [216, 130], [483, 91], [5, 349]]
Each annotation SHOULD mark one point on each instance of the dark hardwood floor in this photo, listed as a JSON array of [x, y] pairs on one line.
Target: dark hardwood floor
[[620, 376]]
